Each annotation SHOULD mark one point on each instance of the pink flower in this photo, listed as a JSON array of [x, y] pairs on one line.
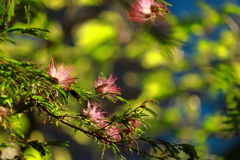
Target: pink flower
[[114, 132], [61, 75], [95, 114], [144, 10], [109, 132], [134, 124], [107, 87]]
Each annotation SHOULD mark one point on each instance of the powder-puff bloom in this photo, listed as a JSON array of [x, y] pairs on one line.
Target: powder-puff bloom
[[144, 10], [61, 75], [109, 133], [134, 124], [113, 132], [94, 113], [107, 87]]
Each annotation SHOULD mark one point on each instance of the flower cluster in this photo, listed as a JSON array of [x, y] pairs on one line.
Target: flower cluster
[[134, 124], [98, 117], [95, 113], [144, 10], [61, 75], [107, 87]]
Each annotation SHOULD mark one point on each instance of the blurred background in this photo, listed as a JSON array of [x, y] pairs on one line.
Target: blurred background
[[189, 63]]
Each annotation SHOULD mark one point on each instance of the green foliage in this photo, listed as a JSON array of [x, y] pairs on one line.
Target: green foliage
[[30, 31], [98, 42], [164, 2], [17, 31], [6, 13], [189, 149], [26, 87]]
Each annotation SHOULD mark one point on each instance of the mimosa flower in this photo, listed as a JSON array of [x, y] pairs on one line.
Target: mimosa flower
[[94, 113], [114, 133], [134, 124], [144, 10], [61, 75], [107, 87]]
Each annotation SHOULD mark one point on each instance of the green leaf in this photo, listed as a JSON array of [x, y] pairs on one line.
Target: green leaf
[[103, 75], [75, 95], [2, 39], [6, 145], [153, 143], [127, 111], [28, 13], [173, 151], [30, 155], [38, 98], [232, 9], [42, 148], [5, 99], [190, 150], [11, 10], [30, 31], [151, 112], [123, 100], [164, 2], [145, 124], [58, 143], [18, 133], [25, 107], [21, 143], [116, 151]]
